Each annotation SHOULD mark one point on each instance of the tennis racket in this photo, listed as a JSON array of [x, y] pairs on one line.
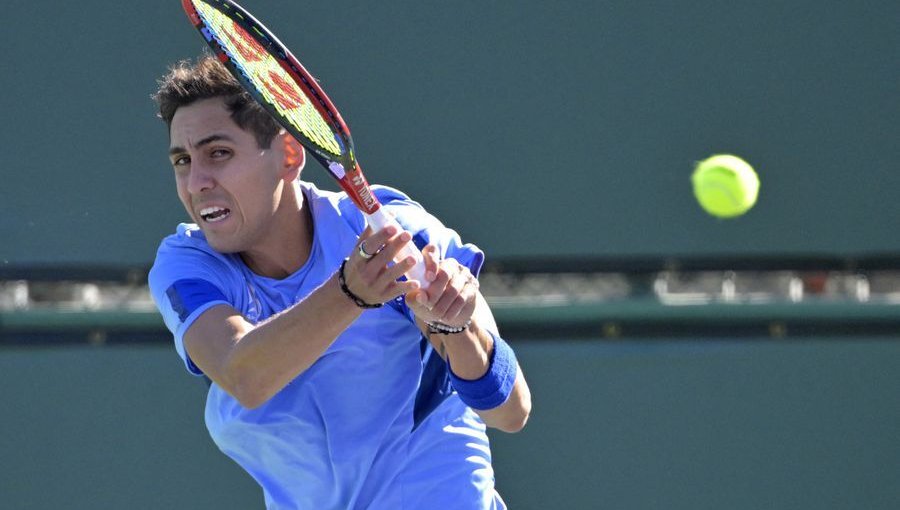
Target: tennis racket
[[277, 80]]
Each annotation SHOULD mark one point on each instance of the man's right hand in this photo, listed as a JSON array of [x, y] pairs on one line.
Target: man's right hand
[[371, 273]]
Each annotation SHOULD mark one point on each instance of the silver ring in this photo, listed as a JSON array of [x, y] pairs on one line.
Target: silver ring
[[363, 253]]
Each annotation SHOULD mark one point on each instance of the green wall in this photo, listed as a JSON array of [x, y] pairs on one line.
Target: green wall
[[535, 128], [676, 424]]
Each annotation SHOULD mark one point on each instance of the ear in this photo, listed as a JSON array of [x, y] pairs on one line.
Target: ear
[[294, 156]]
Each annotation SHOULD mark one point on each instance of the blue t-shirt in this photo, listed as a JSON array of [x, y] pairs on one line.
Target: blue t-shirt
[[373, 423]]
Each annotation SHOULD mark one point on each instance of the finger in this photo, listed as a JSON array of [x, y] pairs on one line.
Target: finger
[[379, 261], [462, 309], [399, 269], [436, 288], [363, 252], [401, 288], [462, 299], [392, 248], [430, 255], [451, 295], [360, 241], [451, 310], [365, 234], [375, 241], [385, 284], [421, 299], [412, 298], [415, 301]]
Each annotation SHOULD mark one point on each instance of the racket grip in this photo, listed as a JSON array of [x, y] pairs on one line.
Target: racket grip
[[379, 220]]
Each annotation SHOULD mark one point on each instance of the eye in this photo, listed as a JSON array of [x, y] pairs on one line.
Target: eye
[[219, 153], [181, 161]]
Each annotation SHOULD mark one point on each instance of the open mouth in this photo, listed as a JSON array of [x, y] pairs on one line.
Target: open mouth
[[214, 214]]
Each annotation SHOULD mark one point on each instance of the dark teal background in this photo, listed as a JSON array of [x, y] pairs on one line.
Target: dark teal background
[[676, 424], [535, 128]]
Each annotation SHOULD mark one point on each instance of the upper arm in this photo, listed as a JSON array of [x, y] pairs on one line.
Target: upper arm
[[208, 341], [185, 284]]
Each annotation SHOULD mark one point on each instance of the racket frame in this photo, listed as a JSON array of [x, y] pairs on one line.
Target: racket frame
[[343, 168]]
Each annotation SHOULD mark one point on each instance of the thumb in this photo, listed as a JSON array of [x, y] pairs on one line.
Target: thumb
[[417, 297], [430, 255]]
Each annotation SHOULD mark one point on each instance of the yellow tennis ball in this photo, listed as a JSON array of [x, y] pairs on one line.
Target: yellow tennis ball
[[726, 186]]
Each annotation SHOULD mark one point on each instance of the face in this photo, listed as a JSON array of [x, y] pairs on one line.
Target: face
[[229, 186]]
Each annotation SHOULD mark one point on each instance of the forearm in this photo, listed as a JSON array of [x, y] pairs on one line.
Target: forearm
[[270, 355], [513, 414], [254, 362], [461, 327], [469, 354]]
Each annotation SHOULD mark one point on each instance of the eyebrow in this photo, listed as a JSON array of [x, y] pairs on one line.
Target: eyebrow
[[203, 141]]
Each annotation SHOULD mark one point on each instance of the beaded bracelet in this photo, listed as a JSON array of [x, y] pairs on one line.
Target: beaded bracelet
[[356, 299], [444, 329]]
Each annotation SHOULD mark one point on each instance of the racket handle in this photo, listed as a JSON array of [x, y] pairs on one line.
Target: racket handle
[[379, 220]]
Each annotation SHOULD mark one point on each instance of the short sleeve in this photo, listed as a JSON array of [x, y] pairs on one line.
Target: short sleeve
[[184, 283]]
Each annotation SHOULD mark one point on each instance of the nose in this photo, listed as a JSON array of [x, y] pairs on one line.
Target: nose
[[200, 179]]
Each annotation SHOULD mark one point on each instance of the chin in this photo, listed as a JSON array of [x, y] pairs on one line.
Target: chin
[[223, 244]]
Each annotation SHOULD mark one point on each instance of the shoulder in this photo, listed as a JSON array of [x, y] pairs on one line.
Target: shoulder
[[428, 229], [186, 235], [189, 242], [407, 211], [186, 254], [388, 195]]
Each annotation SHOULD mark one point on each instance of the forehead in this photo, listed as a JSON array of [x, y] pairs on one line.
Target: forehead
[[201, 118]]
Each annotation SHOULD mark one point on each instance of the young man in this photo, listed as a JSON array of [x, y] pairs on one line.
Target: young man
[[327, 398]]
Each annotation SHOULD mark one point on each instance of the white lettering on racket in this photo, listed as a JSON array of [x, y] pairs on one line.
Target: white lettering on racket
[[363, 190]]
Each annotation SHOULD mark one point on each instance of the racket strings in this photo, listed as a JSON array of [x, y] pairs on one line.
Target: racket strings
[[267, 76]]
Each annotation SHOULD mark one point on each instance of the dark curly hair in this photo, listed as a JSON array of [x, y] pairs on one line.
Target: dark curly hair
[[187, 82]]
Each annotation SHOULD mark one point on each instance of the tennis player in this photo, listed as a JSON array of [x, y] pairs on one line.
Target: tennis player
[[335, 383]]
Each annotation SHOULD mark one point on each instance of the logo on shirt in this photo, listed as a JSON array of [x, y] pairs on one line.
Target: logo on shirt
[[254, 308]]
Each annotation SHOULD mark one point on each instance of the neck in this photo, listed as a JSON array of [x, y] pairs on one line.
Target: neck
[[290, 238]]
